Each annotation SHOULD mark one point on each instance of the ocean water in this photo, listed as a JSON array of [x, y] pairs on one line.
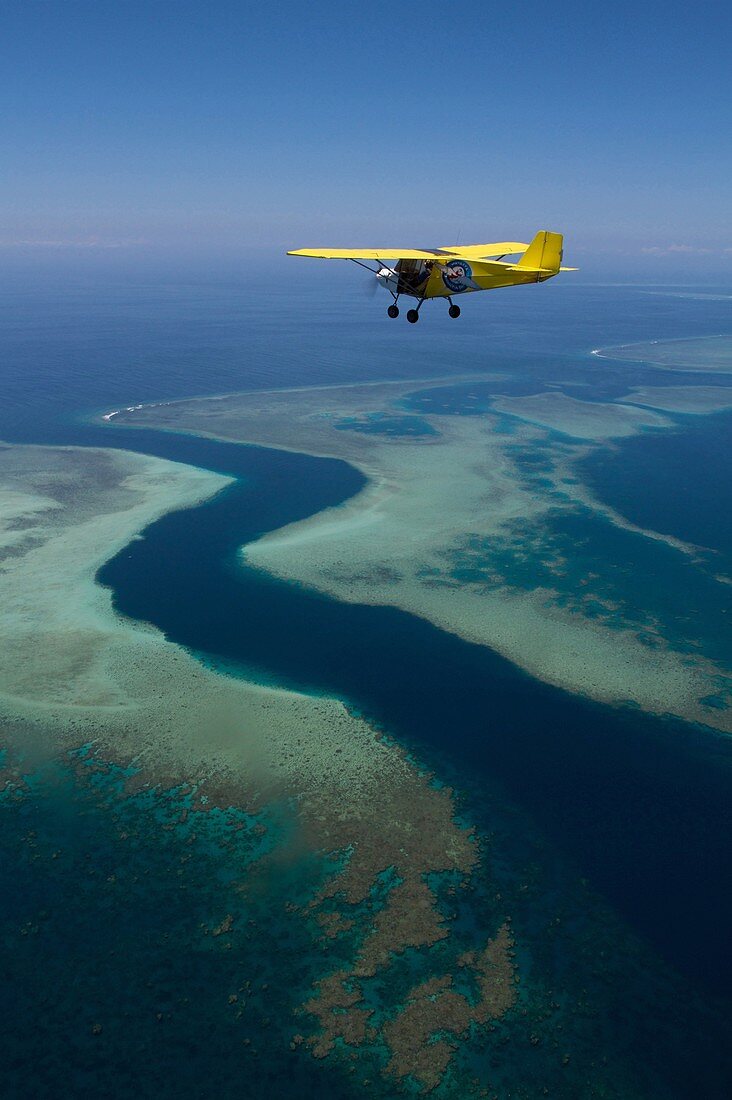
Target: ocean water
[[677, 482], [582, 801]]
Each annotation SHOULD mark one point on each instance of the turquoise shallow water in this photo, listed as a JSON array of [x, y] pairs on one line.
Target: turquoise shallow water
[[638, 809], [614, 576]]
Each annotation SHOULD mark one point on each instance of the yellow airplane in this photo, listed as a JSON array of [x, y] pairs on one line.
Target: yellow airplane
[[424, 273]]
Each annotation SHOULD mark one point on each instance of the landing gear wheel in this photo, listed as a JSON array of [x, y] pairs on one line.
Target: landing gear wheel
[[454, 311], [412, 316], [393, 311]]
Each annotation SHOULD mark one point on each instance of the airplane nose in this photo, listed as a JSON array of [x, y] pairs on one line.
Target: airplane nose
[[385, 278]]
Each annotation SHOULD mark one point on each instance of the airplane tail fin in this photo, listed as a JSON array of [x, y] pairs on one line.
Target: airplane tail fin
[[544, 253]]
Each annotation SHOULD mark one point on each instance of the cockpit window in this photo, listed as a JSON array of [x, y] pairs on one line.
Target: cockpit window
[[414, 273]]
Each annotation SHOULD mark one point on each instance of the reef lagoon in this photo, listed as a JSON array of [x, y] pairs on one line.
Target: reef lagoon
[[366, 728]]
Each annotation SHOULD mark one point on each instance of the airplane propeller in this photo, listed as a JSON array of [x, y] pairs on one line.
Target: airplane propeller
[[379, 277]]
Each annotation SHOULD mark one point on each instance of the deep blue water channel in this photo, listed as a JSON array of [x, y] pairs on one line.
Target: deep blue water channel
[[641, 804], [679, 485]]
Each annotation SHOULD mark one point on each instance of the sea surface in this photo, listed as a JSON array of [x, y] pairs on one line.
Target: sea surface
[[587, 801]]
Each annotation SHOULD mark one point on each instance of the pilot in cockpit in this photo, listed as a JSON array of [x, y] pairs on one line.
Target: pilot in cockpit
[[415, 273]]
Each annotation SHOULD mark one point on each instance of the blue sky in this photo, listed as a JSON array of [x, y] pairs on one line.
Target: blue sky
[[197, 131]]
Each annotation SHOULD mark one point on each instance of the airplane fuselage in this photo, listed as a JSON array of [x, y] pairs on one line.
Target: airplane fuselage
[[445, 279]]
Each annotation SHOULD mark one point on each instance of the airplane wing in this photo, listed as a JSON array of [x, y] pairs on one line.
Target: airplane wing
[[466, 251], [369, 253], [543, 255], [478, 251]]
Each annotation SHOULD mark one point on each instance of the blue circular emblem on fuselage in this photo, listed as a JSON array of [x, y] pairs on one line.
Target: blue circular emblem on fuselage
[[457, 276]]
